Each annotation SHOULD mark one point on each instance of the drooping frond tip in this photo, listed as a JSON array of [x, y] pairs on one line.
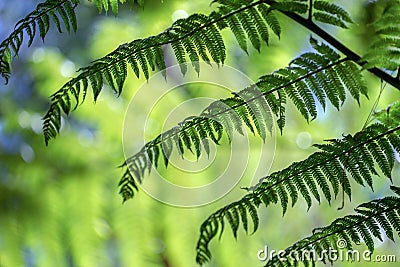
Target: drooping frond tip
[[39, 19], [372, 219], [360, 156], [257, 106]]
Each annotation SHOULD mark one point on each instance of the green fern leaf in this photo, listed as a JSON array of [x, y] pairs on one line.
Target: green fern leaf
[[261, 26], [329, 19], [270, 18], [64, 16], [69, 8], [243, 215], [238, 31], [141, 59], [166, 149], [192, 52], [333, 9], [251, 208], [179, 52], [215, 44], [233, 219], [249, 27]]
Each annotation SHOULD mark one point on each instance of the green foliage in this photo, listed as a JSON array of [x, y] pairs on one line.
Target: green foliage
[[57, 11], [314, 78], [254, 108], [327, 170], [104, 4], [187, 36], [372, 218], [198, 37], [384, 49]]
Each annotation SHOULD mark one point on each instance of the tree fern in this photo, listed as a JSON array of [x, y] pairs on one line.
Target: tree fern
[[314, 78], [356, 155], [254, 108], [372, 218], [196, 36], [384, 49], [39, 19]]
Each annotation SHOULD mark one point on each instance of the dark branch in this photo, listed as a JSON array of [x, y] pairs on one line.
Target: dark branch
[[339, 46]]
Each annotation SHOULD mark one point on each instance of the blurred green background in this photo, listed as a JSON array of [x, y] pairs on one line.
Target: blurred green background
[[59, 205]]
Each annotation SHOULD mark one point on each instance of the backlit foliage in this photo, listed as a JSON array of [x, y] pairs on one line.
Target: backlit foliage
[[326, 75]]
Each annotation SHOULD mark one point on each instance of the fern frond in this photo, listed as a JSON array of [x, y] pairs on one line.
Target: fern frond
[[319, 172], [255, 106], [37, 20], [195, 37], [371, 217], [384, 51], [329, 13]]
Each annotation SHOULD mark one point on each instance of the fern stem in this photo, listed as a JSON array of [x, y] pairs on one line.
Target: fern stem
[[339, 46]]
